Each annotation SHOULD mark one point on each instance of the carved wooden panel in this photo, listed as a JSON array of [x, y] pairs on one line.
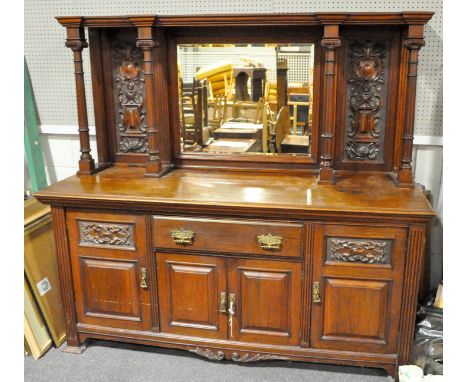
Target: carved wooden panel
[[189, 291], [106, 234], [359, 251], [267, 299], [366, 96], [129, 95]]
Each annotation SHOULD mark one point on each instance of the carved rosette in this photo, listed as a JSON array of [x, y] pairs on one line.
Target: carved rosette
[[366, 95], [359, 251], [129, 95], [106, 234]]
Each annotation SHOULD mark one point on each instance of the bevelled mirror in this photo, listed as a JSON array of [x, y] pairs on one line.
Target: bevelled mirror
[[237, 99]]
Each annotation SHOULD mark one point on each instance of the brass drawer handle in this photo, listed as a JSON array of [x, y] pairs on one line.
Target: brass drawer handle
[[222, 302], [270, 241], [316, 299], [183, 236], [232, 304], [143, 278]]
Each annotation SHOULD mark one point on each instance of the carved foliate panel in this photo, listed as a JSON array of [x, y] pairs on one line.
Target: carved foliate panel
[[359, 251], [129, 96], [219, 355], [106, 234], [366, 94]]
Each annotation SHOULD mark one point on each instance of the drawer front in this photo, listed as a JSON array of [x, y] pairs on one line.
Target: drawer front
[[228, 236]]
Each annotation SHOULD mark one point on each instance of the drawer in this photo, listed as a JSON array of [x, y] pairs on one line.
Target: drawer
[[228, 236], [361, 245]]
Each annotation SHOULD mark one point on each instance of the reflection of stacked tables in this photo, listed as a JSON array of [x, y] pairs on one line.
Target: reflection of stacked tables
[[239, 130], [298, 144], [232, 146], [237, 137]]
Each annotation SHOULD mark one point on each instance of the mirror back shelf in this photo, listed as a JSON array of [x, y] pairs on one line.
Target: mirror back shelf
[[302, 93]]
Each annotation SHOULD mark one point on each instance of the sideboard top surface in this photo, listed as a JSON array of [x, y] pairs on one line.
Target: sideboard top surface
[[355, 193]]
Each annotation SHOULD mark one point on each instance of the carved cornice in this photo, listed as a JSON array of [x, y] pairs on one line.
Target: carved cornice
[[330, 43], [414, 43]]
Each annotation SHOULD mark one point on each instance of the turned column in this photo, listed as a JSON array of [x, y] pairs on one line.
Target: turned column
[[413, 43], [76, 41], [330, 42], [146, 42]]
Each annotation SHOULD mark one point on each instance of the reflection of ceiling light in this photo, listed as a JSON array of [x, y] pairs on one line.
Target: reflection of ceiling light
[[290, 49]]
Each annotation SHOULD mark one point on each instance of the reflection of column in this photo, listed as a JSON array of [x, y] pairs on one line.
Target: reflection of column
[[258, 83], [413, 43], [76, 42], [282, 83], [330, 42]]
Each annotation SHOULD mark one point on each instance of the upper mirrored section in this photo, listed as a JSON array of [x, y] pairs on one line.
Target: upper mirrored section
[[246, 99]]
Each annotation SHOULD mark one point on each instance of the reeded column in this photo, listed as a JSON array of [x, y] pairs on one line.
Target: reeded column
[[330, 42], [76, 41], [146, 42], [413, 43]]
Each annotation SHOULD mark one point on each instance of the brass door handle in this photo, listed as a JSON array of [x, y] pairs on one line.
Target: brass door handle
[[222, 302], [316, 299], [143, 278], [183, 236], [270, 241], [232, 304]]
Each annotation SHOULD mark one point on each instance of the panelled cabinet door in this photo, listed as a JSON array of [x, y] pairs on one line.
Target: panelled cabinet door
[[192, 292], [264, 301], [357, 287], [109, 269]]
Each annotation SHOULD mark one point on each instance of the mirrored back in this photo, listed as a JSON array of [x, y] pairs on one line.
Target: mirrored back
[[237, 99]]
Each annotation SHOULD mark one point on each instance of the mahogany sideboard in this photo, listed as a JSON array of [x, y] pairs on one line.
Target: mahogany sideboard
[[246, 257]]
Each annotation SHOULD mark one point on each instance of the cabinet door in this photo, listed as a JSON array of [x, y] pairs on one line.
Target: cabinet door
[[190, 291], [357, 287], [266, 296], [109, 266]]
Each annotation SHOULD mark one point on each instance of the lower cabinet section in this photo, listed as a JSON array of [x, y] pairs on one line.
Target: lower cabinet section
[[357, 287], [110, 270], [337, 298], [237, 299]]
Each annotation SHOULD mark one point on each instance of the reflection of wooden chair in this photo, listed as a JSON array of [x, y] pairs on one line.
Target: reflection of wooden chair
[[299, 106], [194, 113], [282, 127], [248, 111], [268, 120], [218, 115]]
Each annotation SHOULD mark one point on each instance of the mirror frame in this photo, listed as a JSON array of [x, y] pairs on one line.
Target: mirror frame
[[243, 35]]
